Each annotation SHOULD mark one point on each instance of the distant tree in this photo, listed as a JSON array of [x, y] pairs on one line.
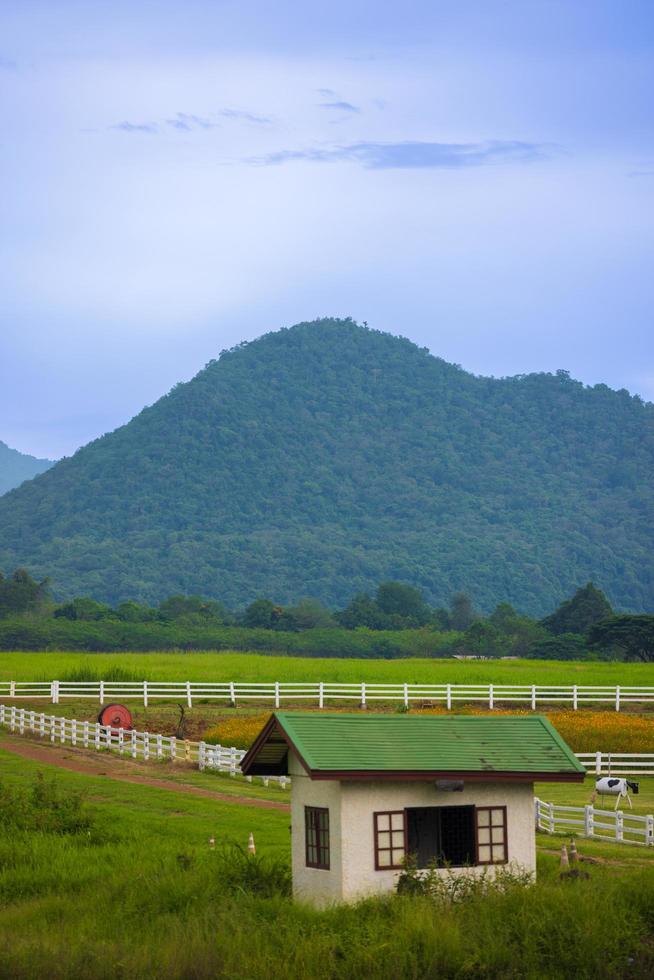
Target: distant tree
[[85, 609], [362, 610], [20, 593], [194, 607], [633, 635], [261, 614], [440, 618], [520, 632], [576, 615], [132, 612], [481, 639], [461, 611], [503, 617], [306, 615], [404, 601], [564, 646]]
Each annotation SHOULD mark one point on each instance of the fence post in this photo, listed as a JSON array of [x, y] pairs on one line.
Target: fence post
[[550, 817], [598, 763], [159, 747], [96, 736], [133, 746], [649, 830], [12, 689], [173, 749], [201, 751], [85, 734], [406, 696], [73, 736], [121, 740], [187, 750], [617, 699], [321, 695], [490, 696], [189, 696], [21, 721], [232, 694], [363, 694], [449, 697], [146, 744], [574, 697], [145, 694], [533, 697], [54, 692], [619, 825], [589, 815], [42, 725], [101, 692], [276, 694]]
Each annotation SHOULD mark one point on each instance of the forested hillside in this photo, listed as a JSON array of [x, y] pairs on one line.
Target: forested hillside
[[16, 467], [320, 460]]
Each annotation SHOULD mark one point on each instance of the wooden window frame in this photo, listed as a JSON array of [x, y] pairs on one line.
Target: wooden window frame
[[311, 823], [375, 838], [491, 844]]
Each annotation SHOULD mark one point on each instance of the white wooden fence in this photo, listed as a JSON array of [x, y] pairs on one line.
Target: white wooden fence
[[618, 763], [587, 821], [321, 692], [137, 745]]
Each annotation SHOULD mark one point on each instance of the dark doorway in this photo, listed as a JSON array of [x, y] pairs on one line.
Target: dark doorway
[[444, 834]]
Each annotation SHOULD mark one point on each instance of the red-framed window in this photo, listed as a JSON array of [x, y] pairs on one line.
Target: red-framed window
[[492, 843], [389, 839], [316, 829]]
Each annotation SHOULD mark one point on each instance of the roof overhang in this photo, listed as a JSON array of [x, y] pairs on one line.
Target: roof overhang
[[268, 756]]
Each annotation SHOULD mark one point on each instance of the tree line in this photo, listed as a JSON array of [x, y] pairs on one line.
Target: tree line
[[394, 621]]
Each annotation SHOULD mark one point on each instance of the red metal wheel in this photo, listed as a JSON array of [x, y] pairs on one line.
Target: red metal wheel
[[116, 716]]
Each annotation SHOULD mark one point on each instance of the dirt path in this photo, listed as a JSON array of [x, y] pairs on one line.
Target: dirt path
[[120, 770]]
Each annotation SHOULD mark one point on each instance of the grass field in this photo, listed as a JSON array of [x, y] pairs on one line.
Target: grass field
[[140, 894], [225, 666]]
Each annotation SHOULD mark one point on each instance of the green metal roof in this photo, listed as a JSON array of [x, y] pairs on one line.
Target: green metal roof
[[395, 743]]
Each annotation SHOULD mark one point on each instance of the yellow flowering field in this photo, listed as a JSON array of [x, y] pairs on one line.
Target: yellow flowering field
[[584, 731], [608, 731], [239, 731]]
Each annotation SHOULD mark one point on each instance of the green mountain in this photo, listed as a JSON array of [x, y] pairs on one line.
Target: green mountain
[[16, 467], [322, 459]]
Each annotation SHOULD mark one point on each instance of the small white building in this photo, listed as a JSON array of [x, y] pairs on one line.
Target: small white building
[[369, 789]]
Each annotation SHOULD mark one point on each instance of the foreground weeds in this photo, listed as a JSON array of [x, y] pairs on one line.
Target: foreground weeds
[[148, 897]]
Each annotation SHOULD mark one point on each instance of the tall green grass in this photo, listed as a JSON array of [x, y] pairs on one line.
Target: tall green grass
[[229, 665], [145, 896]]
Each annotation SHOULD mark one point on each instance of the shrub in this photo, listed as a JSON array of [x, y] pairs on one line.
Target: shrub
[[254, 874], [44, 807]]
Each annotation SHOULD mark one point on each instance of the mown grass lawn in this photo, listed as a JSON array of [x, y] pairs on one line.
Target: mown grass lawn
[[244, 667]]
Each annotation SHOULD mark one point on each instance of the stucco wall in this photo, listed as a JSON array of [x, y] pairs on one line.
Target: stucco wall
[[359, 800], [314, 884], [351, 806]]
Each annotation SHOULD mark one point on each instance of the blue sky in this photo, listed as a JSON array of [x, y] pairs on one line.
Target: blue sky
[[178, 177]]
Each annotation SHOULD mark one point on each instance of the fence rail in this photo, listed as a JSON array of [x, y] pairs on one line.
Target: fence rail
[[587, 821], [137, 745], [321, 692], [618, 763]]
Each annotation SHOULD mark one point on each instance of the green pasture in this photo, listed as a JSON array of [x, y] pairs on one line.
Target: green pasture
[[244, 667], [141, 894]]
